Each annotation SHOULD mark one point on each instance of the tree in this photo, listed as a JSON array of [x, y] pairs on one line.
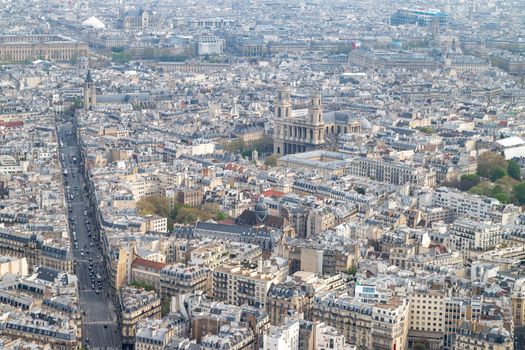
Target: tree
[[425, 130], [499, 193], [497, 173], [519, 193], [121, 57], [271, 160], [502, 197], [165, 307], [221, 216], [157, 205], [488, 161], [468, 181], [142, 284], [513, 169]]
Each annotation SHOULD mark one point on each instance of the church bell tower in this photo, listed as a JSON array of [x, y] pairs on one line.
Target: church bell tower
[[283, 103], [90, 93]]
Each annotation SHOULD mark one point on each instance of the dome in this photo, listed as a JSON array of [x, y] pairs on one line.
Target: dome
[[261, 209], [94, 23], [365, 124]]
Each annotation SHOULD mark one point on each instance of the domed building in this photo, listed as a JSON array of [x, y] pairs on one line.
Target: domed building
[[94, 22], [261, 218], [261, 210]]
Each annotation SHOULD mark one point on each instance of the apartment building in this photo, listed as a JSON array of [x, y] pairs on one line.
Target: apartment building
[[367, 326], [145, 186], [393, 172], [212, 255], [283, 337], [427, 321], [285, 299], [156, 334], [247, 283], [466, 205], [466, 235], [329, 338], [135, 305], [232, 337], [482, 336], [148, 271], [189, 196], [35, 251], [178, 279], [155, 223], [9, 165], [322, 257]]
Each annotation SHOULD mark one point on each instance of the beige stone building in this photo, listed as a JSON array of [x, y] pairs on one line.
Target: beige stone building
[[19, 48], [296, 132], [288, 298], [155, 223], [427, 318], [135, 305], [184, 279], [147, 271], [240, 284], [37, 253], [189, 196], [367, 326]]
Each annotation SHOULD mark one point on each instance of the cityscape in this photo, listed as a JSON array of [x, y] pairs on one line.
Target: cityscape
[[262, 174]]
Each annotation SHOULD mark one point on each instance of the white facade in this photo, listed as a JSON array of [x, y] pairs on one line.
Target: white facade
[[329, 338], [209, 45], [474, 235], [284, 337], [468, 205]]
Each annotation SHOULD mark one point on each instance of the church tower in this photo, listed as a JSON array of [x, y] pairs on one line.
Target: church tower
[[316, 119], [90, 94], [283, 103], [316, 109]]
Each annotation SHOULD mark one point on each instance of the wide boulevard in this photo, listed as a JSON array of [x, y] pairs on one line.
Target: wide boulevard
[[100, 328]]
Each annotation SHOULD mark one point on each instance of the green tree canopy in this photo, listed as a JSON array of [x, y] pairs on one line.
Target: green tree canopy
[[157, 205], [519, 193], [468, 181], [502, 197], [497, 173], [514, 170], [488, 161]]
